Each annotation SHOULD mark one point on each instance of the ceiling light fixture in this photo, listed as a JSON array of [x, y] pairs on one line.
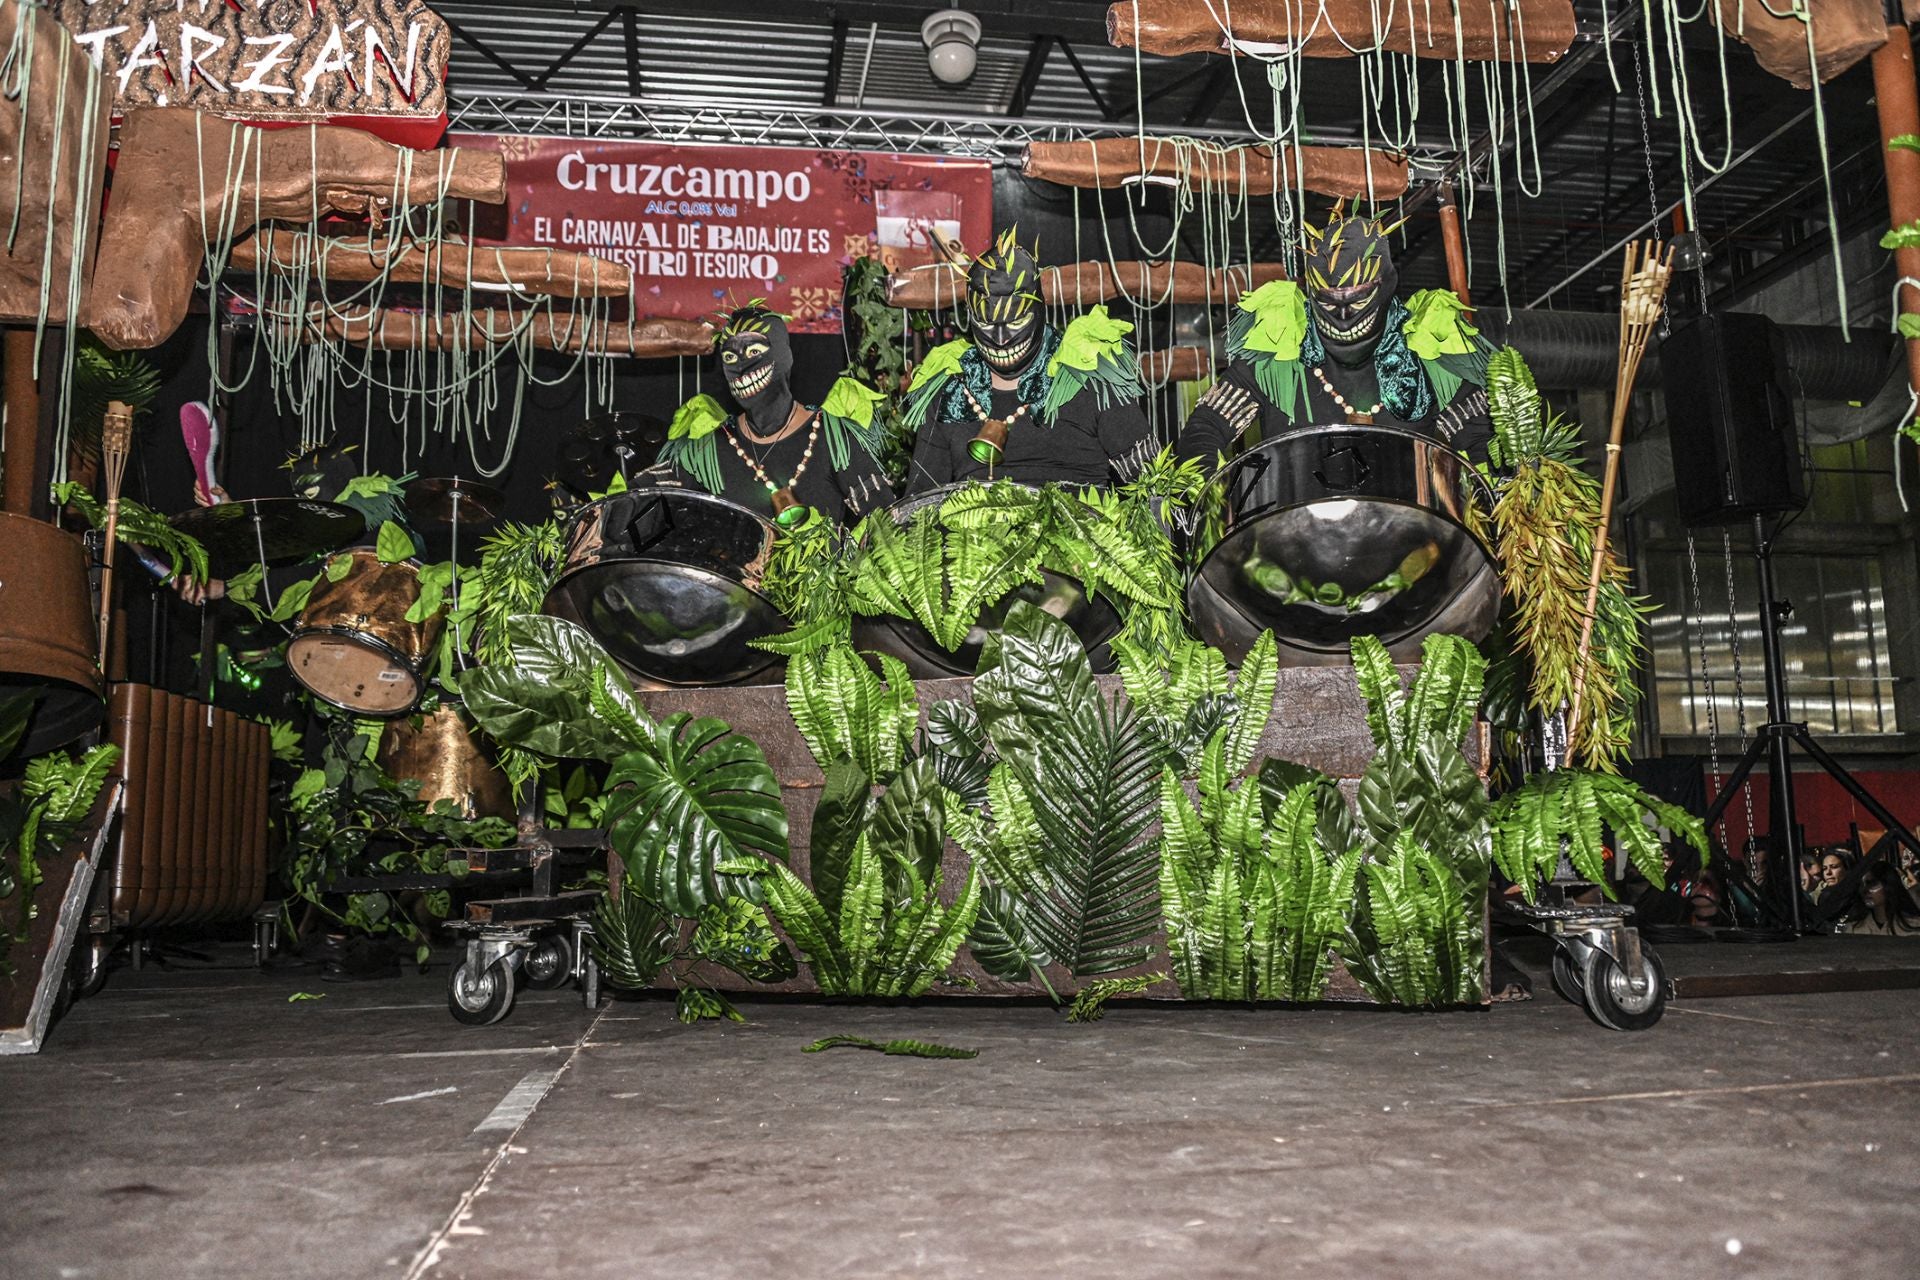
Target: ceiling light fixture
[[952, 37]]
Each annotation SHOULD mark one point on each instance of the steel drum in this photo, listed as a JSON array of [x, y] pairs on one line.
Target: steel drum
[[1092, 619], [353, 646], [47, 633], [668, 579], [1333, 532], [440, 752]]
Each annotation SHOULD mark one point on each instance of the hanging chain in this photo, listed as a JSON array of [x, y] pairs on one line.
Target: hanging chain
[[1739, 685], [1706, 672]]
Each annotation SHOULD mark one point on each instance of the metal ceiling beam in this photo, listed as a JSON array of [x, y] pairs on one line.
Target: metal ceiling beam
[[836, 59], [576, 115], [1083, 20], [1207, 101], [630, 27], [573, 50], [1093, 90], [1030, 75]]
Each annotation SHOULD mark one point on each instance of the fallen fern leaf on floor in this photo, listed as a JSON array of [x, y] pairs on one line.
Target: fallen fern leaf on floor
[[896, 1048]]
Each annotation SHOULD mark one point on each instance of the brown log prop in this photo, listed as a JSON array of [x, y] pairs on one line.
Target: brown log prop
[[1844, 32], [32, 135], [390, 330], [1085, 283], [1176, 364], [1897, 102], [1352, 172], [549, 272], [1535, 30], [172, 181]]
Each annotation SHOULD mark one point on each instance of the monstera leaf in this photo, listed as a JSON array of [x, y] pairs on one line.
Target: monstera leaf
[[559, 694], [703, 796], [1091, 775]]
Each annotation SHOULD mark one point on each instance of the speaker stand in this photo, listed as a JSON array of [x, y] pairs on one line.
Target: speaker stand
[[1774, 740]]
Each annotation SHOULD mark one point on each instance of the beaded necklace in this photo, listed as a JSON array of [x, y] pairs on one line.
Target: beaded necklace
[[787, 509], [1352, 414], [987, 447]]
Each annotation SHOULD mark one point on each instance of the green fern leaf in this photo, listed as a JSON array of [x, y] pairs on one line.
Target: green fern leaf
[[893, 1048], [1380, 686], [1090, 1002], [812, 931], [1253, 692]]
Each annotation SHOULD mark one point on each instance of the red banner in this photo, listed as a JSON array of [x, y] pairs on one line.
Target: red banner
[[700, 226]]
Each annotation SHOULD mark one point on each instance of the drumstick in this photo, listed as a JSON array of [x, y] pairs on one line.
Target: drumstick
[[1643, 292], [116, 441]]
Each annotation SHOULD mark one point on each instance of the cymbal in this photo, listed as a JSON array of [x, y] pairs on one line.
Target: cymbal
[[593, 452], [431, 501], [290, 530]]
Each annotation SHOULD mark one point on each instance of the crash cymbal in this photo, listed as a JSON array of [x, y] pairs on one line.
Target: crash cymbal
[[431, 501], [592, 453], [290, 530]]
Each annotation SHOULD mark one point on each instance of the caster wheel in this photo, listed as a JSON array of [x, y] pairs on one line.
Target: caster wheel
[[479, 999], [89, 970], [549, 964], [1616, 1000], [1566, 978]]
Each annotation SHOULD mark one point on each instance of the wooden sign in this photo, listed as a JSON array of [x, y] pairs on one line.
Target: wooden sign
[[267, 60]]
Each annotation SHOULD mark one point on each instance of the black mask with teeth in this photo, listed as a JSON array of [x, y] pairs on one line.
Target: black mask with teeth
[[756, 359], [1003, 304], [1350, 280]]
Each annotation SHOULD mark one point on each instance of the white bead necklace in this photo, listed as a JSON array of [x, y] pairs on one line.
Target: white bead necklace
[[1352, 414]]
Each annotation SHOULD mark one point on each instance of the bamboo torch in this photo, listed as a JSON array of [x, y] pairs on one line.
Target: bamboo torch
[[1643, 293], [116, 442]]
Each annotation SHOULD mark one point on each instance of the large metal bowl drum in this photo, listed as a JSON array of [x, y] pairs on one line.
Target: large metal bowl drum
[[1333, 532], [668, 579], [439, 751], [47, 632], [1092, 619], [353, 646]]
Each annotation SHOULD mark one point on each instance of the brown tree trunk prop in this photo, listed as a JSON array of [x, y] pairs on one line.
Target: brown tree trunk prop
[[1114, 162], [1086, 283], [1541, 30], [1844, 31], [1455, 242], [410, 331], [168, 191], [48, 195], [1643, 292], [1177, 364], [555, 272], [1898, 103]]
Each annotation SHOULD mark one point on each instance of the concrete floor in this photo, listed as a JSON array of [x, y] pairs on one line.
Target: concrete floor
[[200, 1124]]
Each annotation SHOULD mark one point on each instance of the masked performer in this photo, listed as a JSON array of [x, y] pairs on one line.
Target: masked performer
[[779, 457], [1022, 401], [1345, 350]]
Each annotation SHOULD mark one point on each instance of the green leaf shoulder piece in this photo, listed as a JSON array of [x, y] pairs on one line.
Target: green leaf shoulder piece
[[690, 442], [1450, 349], [848, 413], [1267, 333], [930, 381], [1093, 354]]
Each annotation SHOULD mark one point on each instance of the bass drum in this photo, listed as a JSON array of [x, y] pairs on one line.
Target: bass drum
[[1333, 532], [1092, 619], [441, 753], [668, 579], [353, 646], [47, 634]]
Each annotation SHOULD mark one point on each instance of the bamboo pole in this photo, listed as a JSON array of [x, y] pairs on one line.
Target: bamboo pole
[[116, 442], [1455, 243], [1643, 292]]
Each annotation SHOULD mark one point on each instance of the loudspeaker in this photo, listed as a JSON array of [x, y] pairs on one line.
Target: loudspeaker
[[1736, 453]]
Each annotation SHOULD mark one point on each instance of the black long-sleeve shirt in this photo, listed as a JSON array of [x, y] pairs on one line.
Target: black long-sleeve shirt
[[842, 496], [1236, 413], [1086, 445]]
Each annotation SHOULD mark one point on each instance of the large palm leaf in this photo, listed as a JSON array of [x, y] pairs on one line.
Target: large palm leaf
[[1091, 773], [702, 796]]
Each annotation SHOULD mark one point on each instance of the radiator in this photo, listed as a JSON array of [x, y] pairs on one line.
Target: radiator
[[193, 827]]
